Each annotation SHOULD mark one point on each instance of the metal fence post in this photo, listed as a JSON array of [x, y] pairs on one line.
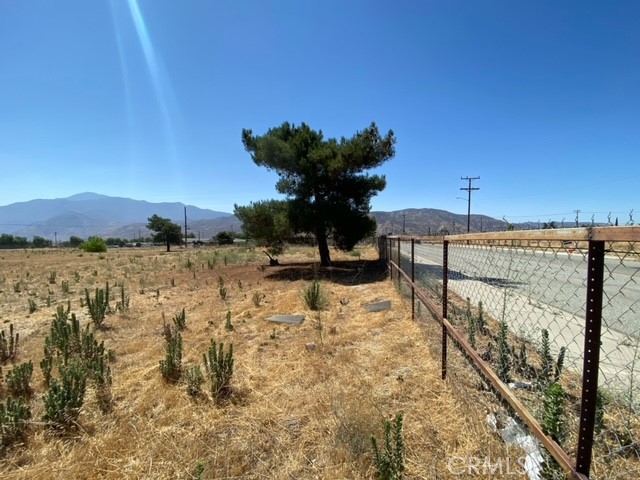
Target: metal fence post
[[399, 267], [413, 279], [391, 258], [445, 275], [593, 317]]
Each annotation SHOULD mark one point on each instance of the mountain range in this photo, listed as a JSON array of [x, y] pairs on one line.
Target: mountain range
[[87, 214]]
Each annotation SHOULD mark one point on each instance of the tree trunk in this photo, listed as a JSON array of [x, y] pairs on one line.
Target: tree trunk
[[323, 247], [168, 246]]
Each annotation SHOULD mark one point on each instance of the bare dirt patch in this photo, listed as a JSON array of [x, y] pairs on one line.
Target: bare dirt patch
[[305, 399]]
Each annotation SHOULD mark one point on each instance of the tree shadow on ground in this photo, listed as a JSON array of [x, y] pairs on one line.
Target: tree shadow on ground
[[347, 272]]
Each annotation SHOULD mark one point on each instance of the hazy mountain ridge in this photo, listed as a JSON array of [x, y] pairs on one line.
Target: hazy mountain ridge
[[425, 221], [89, 213]]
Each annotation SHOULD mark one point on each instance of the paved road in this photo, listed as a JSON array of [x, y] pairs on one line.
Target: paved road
[[536, 290]]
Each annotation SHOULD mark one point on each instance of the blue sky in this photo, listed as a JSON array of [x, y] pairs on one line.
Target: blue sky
[[147, 99]]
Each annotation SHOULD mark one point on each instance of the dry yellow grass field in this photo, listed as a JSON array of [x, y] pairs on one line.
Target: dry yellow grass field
[[295, 411]]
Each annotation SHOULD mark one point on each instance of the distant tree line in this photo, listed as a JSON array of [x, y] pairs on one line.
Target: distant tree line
[[166, 232]]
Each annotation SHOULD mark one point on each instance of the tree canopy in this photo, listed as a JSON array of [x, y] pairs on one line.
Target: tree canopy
[[224, 238], [266, 222], [327, 193], [166, 231]]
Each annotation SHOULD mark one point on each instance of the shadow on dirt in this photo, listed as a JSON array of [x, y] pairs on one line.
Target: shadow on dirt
[[348, 272]]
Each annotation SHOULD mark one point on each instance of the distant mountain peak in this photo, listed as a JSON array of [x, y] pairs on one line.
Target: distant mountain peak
[[89, 213], [79, 197]]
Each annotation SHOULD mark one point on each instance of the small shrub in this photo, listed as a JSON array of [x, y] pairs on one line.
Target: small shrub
[[180, 320], [94, 244], [171, 366], [553, 425], [13, 420], [314, 297], [222, 290], [168, 331], [219, 368], [17, 288], [123, 304], [257, 299], [544, 376], [98, 306], [559, 364], [8, 344], [33, 306], [389, 463], [102, 380], [65, 287], [195, 379], [52, 277], [471, 325], [482, 323], [19, 379], [504, 353], [63, 400], [227, 324]]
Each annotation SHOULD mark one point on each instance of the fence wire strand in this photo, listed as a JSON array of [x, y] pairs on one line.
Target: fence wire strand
[[521, 305]]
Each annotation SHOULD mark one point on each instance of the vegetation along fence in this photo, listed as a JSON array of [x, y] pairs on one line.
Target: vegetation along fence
[[551, 320]]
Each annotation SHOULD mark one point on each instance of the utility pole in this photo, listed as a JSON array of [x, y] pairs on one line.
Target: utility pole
[[404, 219], [577, 212], [55, 236], [468, 189], [185, 227]]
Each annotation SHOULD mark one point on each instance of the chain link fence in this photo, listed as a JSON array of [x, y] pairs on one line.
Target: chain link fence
[[530, 309]]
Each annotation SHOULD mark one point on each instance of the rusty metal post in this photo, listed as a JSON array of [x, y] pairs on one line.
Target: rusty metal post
[[399, 267], [391, 258], [413, 279], [593, 317], [445, 276]]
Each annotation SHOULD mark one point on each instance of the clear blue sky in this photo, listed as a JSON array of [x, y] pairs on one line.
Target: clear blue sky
[[147, 99]]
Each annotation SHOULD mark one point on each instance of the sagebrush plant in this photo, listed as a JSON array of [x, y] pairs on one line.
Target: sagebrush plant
[[171, 366], [8, 344], [219, 368], [389, 462], [314, 297], [99, 305], [14, 415]]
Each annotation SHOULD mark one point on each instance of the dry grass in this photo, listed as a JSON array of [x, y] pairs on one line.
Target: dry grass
[[294, 412]]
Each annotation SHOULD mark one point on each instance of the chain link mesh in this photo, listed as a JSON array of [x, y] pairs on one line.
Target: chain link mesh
[[521, 305]]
